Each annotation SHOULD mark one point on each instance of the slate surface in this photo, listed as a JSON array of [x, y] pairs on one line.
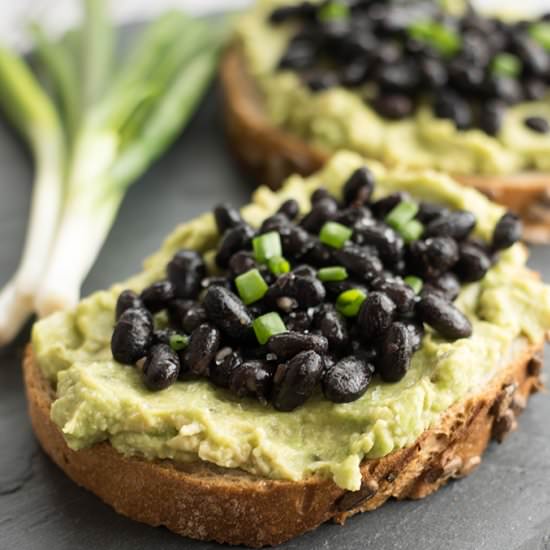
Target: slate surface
[[504, 505]]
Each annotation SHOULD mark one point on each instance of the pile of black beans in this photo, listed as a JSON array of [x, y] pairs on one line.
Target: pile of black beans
[[469, 67], [319, 340]]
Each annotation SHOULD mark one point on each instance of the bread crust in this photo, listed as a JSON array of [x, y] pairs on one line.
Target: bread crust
[[271, 154], [206, 502]]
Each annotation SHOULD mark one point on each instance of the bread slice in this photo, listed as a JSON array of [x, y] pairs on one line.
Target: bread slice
[[271, 154], [206, 502]]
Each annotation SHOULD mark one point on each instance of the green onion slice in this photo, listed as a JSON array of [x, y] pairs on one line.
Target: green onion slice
[[506, 64], [402, 214], [411, 231], [251, 286], [336, 273], [540, 32], [278, 265], [267, 246], [335, 234], [268, 325], [350, 301], [178, 341], [415, 283], [333, 11], [440, 37]]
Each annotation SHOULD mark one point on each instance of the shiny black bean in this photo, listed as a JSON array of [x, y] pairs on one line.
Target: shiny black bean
[[335, 288], [491, 117], [433, 256], [507, 232], [450, 105], [298, 321], [354, 217], [321, 80], [177, 309], [221, 369], [305, 271], [368, 355], [318, 254], [347, 380], [185, 271], [376, 315], [388, 243], [235, 239], [401, 294], [204, 343], [207, 282], [132, 336], [384, 206], [360, 261], [416, 333], [161, 368], [319, 194], [295, 381], [473, 263], [241, 262], [295, 241], [359, 187], [274, 223], [433, 73], [227, 312], [194, 316], [400, 77], [226, 217], [163, 336], [394, 106], [127, 299], [307, 291], [533, 56], [428, 211], [252, 379], [157, 296], [448, 284], [290, 208], [395, 354], [538, 124], [534, 89], [333, 327], [301, 54], [443, 316], [457, 225], [321, 212], [288, 344]]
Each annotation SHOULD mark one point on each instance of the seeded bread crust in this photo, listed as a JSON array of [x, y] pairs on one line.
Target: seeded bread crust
[[271, 154], [202, 501]]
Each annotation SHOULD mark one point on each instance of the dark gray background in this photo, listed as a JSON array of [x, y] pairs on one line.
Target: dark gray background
[[504, 505]]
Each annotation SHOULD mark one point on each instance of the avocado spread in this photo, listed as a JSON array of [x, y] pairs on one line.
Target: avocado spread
[[339, 118], [98, 399]]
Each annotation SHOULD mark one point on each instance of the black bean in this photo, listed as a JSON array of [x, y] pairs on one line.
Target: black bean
[[323, 211], [288, 344], [457, 224], [157, 296], [538, 124], [321, 80], [354, 217], [290, 208], [491, 117], [207, 282], [185, 271], [333, 327], [388, 243], [241, 262], [295, 241], [161, 368], [360, 261], [466, 78], [533, 55], [295, 381], [393, 106], [319, 194], [504, 88], [359, 187], [384, 206], [416, 333], [433, 73], [433, 256], [452, 106], [221, 369], [300, 54], [252, 379], [163, 336], [307, 291], [194, 316], [448, 284], [305, 271], [473, 263], [507, 232], [402, 76], [443, 316], [235, 239], [335, 288], [226, 217], [132, 336], [298, 321], [227, 312], [428, 211], [204, 343], [376, 315], [396, 352], [534, 89], [355, 73], [318, 254], [274, 223], [401, 294], [368, 355], [127, 299], [177, 309], [347, 380]]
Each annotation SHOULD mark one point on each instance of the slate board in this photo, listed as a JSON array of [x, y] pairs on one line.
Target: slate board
[[503, 505]]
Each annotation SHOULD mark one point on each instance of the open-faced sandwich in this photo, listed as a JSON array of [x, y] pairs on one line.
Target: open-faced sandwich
[[358, 335], [431, 85]]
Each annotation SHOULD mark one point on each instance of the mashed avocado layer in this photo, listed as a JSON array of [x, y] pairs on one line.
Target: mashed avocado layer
[[99, 399], [340, 119]]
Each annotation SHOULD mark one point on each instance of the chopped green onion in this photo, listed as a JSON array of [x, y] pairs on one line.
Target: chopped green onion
[[415, 283], [350, 301], [336, 273], [411, 231], [333, 11], [442, 38], [506, 64], [268, 325], [267, 246], [178, 341], [402, 214], [278, 265], [335, 234], [251, 286], [540, 32]]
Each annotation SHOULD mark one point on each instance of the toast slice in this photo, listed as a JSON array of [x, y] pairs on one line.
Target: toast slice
[[271, 154], [206, 502]]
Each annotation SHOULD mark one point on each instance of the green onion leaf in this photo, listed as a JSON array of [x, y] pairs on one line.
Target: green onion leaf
[[444, 39], [268, 325], [402, 214], [350, 301], [178, 341], [333, 11], [506, 64], [278, 265], [251, 286], [335, 273], [411, 231], [415, 283], [540, 32], [335, 234], [267, 246]]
